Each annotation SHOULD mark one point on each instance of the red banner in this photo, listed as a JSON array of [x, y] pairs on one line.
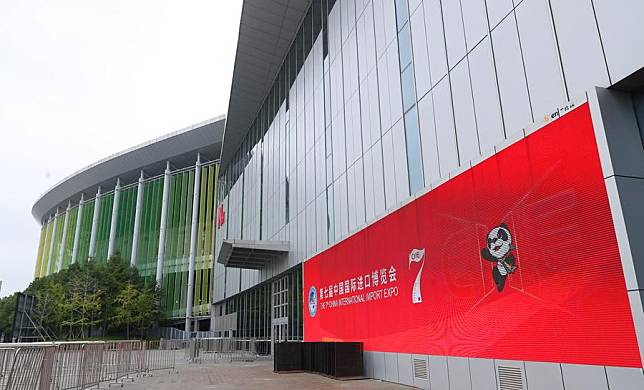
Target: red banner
[[515, 258]]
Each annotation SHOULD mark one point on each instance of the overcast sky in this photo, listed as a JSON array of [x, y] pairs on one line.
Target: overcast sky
[[83, 79]]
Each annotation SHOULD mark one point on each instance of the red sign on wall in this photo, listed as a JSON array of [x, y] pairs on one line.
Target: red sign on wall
[[515, 258]]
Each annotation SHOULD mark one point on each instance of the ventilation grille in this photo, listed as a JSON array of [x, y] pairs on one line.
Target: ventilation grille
[[420, 369], [510, 378]]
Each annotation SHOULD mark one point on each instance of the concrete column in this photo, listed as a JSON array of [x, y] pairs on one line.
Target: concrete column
[[92, 236], [115, 218], [50, 256], [61, 248], [162, 227], [42, 270], [79, 217], [137, 221], [193, 243]]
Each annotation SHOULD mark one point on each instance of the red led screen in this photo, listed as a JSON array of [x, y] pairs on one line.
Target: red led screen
[[515, 258]]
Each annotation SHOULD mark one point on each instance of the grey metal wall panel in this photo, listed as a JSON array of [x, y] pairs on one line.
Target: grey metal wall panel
[[622, 33], [368, 361], [445, 132], [370, 114], [435, 40], [459, 373], [511, 76], [542, 65], [475, 21], [391, 367], [320, 225], [421, 58], [378, 360], [431, 166], [486, 96], [419, 382], [579, 45], [623, 378], [482, 374], [454, 33], [543, 376], [497, 10], [466, 134], [636, 299], [583, 377], [631, 195], [438, 373], [405, 370]]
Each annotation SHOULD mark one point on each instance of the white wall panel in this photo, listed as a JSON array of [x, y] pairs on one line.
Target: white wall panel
[[421, 58], [466, 135], [335, 33], [622, 30], [474, 21], [400, 162], [511, 76], [445, 132], [348, 17], [543, 69], [497, 10], [378, 179], [486, 97], [395, 94], [383, 94], [579, 44], [435, 40], [350, 65], [431, 166], [438, 374], [366, 42], [389, 170], [369, 110], [369, 185], [454, 33]]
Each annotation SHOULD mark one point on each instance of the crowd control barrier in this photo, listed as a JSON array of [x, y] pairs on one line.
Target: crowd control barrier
[[83, 365]]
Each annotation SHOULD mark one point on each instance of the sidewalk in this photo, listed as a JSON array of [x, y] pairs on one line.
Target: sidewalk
[[257, 375]]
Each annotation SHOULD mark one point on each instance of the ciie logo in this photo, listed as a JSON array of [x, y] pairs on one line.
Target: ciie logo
[[417, 256], [313, 301]]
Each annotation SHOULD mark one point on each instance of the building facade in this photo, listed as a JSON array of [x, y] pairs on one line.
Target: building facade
[[428, 177], [153, 205]]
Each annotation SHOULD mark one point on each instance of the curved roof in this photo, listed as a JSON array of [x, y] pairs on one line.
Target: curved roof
[[179, 147], [266, 30]]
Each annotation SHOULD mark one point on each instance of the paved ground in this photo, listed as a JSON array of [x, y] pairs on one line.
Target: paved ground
[[258, 375]]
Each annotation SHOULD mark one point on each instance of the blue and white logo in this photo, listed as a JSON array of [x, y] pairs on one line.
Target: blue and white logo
[[313, 301]]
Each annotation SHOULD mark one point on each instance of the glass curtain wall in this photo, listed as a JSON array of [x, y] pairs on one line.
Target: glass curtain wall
[[177, 245], [103, 227]]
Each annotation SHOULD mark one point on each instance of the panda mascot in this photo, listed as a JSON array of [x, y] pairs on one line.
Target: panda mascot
[[499, 251]]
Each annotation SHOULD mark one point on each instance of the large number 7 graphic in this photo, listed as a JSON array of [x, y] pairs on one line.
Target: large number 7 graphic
[[417, 256]]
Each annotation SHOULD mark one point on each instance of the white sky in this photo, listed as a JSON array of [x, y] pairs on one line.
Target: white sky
[[82, 79]]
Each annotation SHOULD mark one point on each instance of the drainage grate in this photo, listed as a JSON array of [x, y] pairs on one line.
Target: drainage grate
[[510, 378], [420, 369]]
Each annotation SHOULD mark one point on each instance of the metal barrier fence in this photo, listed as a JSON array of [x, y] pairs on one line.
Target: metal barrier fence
[[81, 365], [227, 349]]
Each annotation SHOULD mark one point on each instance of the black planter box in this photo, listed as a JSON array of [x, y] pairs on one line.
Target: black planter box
[[334, 359]]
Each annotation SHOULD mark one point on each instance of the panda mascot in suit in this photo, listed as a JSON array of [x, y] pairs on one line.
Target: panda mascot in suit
[[498, 250]]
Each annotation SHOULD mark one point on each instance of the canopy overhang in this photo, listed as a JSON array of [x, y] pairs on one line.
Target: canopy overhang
[[250, 254]]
